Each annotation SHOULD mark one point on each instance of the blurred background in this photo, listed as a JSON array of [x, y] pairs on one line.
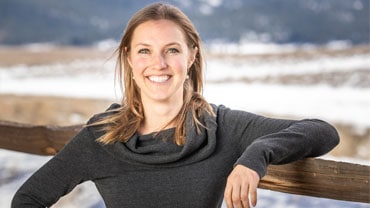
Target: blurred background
[[289, 59]]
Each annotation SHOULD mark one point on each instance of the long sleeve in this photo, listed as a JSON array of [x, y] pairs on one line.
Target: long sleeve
[[262, 141], [58, 176]]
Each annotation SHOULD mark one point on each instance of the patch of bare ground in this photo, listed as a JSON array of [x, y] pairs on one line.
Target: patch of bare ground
[[16, 55], [353, 142], [46, 110], [49, 110]]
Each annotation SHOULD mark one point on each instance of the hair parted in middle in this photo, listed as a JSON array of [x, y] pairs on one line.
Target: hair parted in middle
[[124, 123]]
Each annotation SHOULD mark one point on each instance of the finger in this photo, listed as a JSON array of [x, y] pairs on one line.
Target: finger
[[253, 194], [227, 196], [244, 192], [235, 194]]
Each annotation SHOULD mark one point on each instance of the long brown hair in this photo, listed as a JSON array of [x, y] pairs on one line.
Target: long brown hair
[[126, 121]]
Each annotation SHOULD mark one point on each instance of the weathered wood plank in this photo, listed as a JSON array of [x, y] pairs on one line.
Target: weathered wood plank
[[41, 140], [320, 178], [311, 177]]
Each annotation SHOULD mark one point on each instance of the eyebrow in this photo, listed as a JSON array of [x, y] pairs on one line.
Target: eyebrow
[[147, 45]]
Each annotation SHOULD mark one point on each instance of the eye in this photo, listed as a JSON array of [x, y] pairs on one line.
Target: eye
[[144, 51], [173, 50]]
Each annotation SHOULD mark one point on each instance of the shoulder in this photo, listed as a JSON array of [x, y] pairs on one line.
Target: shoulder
[[84, 142], [225, 114], [111, 110], [99, 121]]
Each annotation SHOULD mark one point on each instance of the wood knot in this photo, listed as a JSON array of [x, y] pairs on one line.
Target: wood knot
[[50, 151]]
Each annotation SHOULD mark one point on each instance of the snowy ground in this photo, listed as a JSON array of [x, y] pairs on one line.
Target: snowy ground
[[252, 85]]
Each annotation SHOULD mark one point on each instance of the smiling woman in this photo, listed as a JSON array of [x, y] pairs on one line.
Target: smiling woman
[[165, 145], [160, 60], [160, 43]]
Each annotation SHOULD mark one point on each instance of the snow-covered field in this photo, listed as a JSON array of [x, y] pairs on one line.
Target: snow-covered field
[[334, 88]]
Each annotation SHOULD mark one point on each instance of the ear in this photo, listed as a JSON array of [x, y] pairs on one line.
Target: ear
[[128, 57], [192, 56]]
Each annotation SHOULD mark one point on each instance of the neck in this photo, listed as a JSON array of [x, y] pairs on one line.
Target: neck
[[158, 115]]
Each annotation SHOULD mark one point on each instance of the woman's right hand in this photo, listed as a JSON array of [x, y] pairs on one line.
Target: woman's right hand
[[241, 188]]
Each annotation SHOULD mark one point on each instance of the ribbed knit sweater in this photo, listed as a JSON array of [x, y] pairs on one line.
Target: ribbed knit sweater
[[150, 171]]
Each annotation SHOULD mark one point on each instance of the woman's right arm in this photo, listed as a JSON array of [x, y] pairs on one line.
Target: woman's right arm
[[59, 175]]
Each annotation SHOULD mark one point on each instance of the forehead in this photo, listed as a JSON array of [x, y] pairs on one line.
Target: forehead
[[158, 31]]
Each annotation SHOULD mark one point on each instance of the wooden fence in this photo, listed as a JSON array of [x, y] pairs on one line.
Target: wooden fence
[[311, 177]]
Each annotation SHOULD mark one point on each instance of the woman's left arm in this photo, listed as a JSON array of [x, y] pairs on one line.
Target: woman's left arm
[[301, 139], [260, 141], [263, 141]]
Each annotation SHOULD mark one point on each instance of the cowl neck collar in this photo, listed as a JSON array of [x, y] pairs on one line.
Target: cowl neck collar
[[160, 151]]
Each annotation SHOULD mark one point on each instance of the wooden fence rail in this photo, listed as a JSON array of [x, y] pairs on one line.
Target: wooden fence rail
[[311, 177]]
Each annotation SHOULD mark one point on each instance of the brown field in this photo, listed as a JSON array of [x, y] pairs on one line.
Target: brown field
[[10, 56], [49, 110], [298, 54], [16, 55]]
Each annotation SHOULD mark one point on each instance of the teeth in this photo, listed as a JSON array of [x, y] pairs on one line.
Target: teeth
[[162, 78]]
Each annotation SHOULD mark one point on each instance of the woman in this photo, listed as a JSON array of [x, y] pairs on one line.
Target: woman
[[165, 146]]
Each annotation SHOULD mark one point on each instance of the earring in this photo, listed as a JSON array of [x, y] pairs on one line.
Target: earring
[[187, 76]]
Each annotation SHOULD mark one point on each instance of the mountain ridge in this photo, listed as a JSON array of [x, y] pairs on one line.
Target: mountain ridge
[[84, 22]]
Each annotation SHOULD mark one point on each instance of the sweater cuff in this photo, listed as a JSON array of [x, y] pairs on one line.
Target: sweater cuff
[[258, 164]]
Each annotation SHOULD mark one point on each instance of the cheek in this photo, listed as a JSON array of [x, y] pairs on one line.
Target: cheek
[[138, 65], [180, 65]]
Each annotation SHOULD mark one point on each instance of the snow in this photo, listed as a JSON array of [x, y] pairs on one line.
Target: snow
[[299, 101], [345, 104], [250, 47]]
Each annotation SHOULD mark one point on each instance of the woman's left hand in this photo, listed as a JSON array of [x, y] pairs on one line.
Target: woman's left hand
[[241, 187]]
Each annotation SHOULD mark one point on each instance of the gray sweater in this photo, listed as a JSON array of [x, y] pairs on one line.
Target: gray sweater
[[155, 172]]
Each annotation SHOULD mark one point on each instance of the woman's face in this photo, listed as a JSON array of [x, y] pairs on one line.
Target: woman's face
[[160, 58]]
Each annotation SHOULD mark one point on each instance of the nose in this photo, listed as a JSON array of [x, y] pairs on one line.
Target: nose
[[159, 61]]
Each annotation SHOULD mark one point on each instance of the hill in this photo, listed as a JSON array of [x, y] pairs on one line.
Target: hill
[[86, 21]]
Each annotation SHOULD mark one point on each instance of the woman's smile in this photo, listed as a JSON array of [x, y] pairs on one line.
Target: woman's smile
[[159, 78]]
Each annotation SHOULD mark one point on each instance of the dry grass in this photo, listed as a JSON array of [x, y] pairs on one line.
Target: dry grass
[[49, 110], [10, 56]]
